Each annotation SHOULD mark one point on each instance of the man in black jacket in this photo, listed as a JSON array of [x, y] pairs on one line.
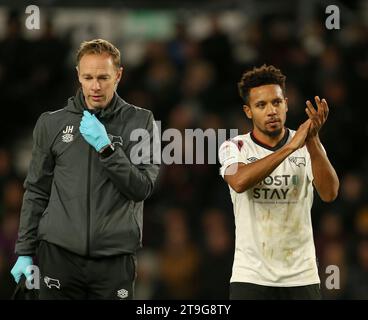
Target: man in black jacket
[[82, 210]]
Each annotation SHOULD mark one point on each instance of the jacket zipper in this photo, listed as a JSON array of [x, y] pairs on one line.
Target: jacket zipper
[[88, 198]]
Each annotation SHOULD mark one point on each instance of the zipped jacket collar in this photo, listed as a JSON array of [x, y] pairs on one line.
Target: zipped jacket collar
[[77, 104]]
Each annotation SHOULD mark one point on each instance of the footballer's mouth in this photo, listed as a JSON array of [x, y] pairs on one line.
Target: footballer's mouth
[[273, 121]]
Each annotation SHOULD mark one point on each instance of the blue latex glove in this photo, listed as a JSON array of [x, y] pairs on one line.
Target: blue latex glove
[[93, 131], [20, 267]]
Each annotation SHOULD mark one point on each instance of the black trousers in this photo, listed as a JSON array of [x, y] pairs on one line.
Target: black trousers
[[251, 291], [65, 275]]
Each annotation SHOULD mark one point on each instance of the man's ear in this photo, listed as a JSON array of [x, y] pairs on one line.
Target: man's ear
[[286, 104], [119, 75], [247, 111], [76, 68]]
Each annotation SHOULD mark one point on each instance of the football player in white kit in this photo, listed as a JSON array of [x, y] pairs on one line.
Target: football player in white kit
[[271, 173]]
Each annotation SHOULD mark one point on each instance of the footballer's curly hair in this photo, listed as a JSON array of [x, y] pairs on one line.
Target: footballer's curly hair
[[258, 77]]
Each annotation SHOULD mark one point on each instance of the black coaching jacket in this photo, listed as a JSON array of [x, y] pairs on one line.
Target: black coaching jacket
[[76, 199]]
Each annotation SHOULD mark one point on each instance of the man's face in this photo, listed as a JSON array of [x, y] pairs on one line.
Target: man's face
[[99, 78], [267, 108]]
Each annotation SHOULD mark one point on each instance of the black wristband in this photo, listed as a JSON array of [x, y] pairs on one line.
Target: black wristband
[[108, 151]]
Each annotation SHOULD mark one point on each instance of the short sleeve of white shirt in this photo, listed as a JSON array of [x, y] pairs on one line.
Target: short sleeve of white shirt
[[228, 155], [309, 165], [309, 168]]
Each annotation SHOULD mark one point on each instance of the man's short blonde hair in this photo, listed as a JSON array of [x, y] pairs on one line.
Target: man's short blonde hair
[[99, 46]]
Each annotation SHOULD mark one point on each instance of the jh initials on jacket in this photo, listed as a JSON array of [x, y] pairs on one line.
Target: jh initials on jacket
[[68, 129]]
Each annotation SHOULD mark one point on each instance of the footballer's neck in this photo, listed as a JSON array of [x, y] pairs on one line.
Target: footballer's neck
[[268, 139]]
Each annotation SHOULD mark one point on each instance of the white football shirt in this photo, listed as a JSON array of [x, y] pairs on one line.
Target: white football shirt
[[273, 238]]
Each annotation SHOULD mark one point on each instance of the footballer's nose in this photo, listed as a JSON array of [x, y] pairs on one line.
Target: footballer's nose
[[271, 110]]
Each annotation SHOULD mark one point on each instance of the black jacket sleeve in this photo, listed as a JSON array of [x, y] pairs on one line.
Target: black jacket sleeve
[[133, 175], [37, 190]]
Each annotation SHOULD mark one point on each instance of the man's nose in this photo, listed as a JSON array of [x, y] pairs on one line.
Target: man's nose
[[96, 85], [271, 109]]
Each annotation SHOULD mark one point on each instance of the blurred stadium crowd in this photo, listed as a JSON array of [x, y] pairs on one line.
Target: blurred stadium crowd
[[191, 82]]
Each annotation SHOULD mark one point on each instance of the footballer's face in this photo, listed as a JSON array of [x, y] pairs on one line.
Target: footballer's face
[[98, 77], [267, 109]]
